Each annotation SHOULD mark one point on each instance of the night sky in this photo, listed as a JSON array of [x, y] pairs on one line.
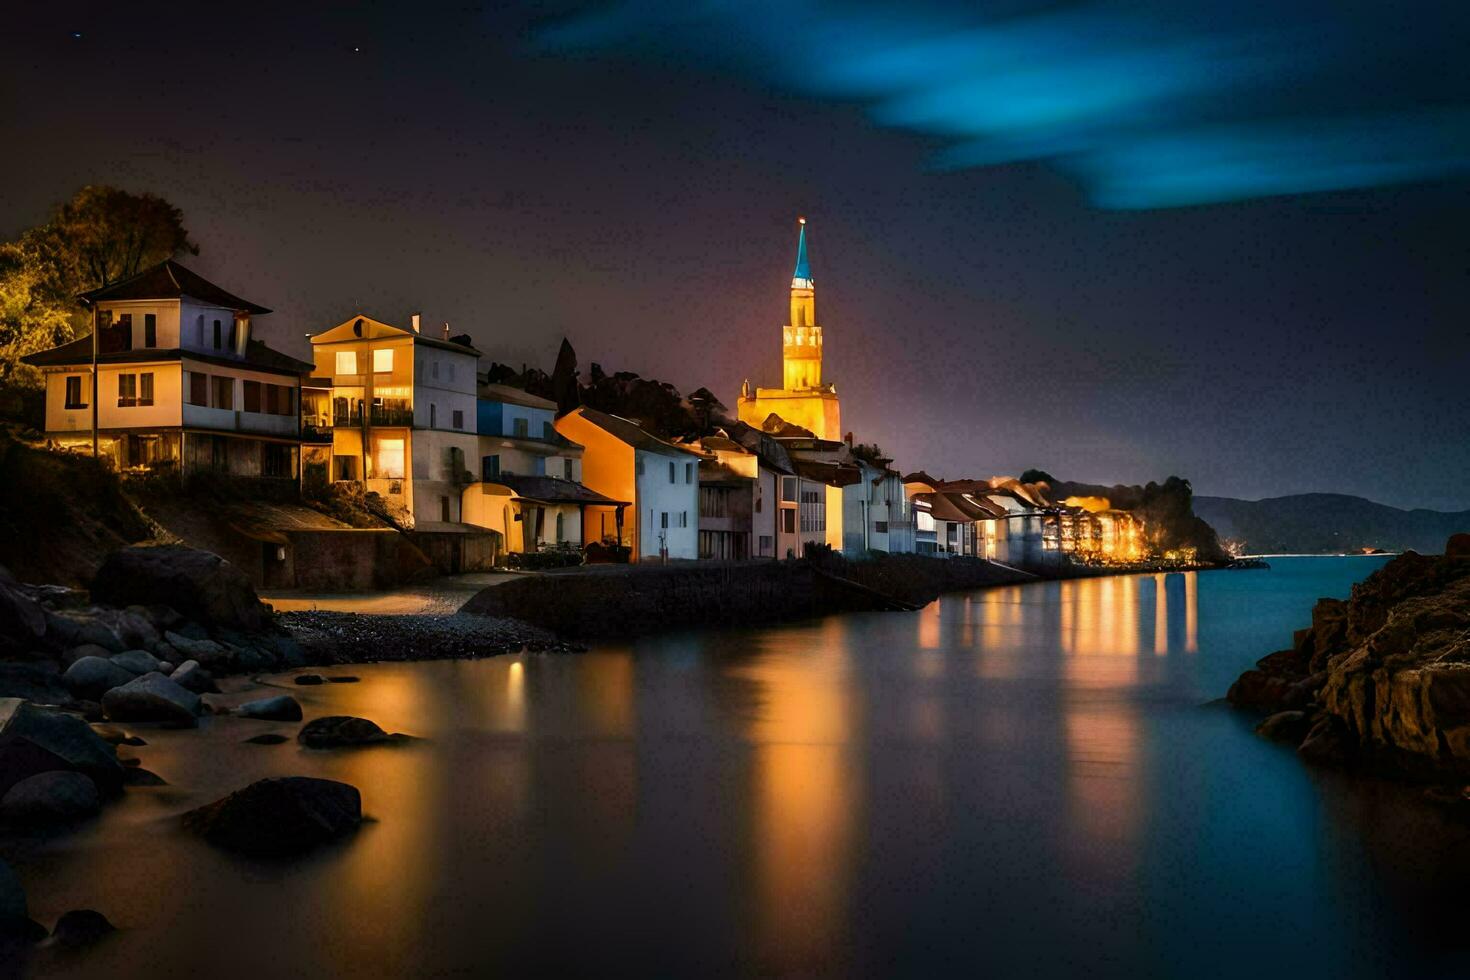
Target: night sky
[[1115, 241]]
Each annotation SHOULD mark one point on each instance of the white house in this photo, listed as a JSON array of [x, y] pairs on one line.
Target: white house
[[181, 383], [660, 481], [876, 513]]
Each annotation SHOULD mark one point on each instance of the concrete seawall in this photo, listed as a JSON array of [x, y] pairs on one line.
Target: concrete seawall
[[612, 602]]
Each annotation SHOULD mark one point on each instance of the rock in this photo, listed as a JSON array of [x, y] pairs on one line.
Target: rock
[[1258, 690], [81, 927], [1285, 726], [279, 816], [35, 740], [1458, 546], [85, 650], [51, 798], [267, 738], [307, 680], [142, 777], [342, 679], [198, 584], [139, 662], [22, 620], [166, 652], [92, 677], [283, 707], [80, 627], [33, 682], [206, 651], [1328, 743], [342, 731], [152, 697], [192, 677], [137, 630]]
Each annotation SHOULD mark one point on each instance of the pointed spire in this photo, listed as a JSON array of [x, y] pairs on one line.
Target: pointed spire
[[802, 277]]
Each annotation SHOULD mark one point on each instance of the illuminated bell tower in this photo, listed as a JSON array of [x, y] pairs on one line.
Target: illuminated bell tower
[[804, 399], [801, 338]]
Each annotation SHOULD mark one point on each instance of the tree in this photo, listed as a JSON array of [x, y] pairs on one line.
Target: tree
[[99, 237], [564, 378]]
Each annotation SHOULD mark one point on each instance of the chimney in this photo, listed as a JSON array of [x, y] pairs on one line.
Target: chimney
[[848, 439], [446, 329], [416, 323]]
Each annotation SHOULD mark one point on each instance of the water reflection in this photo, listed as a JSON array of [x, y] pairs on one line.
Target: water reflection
[[1017, 782]]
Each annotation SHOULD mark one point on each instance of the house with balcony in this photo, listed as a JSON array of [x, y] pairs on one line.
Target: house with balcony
[[400, 408], [529, 487], [172, 378], [659, 480]]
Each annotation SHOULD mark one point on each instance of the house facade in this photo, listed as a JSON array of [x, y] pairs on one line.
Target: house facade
[[876, 513], [529, 486], [181, 383], [403, 415], [658, 479]]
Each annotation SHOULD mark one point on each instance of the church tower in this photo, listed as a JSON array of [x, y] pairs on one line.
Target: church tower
[[801, 339], [803, 399]]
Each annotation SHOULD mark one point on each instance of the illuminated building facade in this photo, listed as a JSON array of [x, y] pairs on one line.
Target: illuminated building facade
[[804, 398]]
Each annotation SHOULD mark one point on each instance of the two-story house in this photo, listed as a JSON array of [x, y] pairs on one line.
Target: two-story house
[[660, 481], [403, 414], [529, 488], [180, 382]]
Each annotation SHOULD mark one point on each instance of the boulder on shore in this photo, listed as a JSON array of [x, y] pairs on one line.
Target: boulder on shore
[[343, 731], [16, 925], [192, 677], [198, 584], [138, 662], [274, 817], [33, 682], [283, 707], [35, 740], [153, 697], [51, 798], [92, 677], [81, 927]]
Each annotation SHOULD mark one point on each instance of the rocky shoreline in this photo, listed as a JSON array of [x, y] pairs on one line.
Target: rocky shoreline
[[1381, 681], [148, 645]]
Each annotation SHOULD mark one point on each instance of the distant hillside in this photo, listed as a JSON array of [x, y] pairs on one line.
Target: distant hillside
[[1327, 523]]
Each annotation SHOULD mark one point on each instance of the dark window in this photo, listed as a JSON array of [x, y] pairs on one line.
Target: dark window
[[217, 335], [444, 509], [275, 460], [199, 332], [125, 330], [788, 489], [150, 330], [224, 392], [433, 415], [490, 468], [672, 477], [664, 519], [788, 521], [74, 392], [234, 327], [127, 390], [548, 431], [688, 472], [252, 396], [145, 388], [520, 428], [567, 465], [198, 388], [881, 527], [458, 419]]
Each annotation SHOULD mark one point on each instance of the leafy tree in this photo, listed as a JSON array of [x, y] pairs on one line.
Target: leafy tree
[[101, 236]]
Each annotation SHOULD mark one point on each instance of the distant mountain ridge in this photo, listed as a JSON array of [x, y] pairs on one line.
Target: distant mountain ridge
[[1327, 523]]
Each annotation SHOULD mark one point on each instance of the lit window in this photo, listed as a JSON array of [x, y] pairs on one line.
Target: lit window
[[383, 360], [145, 388], [389, 462], [346, 362]]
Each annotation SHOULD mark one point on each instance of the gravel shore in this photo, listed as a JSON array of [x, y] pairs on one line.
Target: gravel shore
[[351, 638]]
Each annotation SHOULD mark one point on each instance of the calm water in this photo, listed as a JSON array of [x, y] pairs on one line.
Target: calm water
[[1022, 781]]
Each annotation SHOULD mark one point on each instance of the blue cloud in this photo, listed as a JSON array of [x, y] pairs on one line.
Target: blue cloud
[[1150, 104]]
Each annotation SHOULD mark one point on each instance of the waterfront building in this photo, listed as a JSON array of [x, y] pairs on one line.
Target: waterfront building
[[529, 489], [776, 521], [658, 480], [181, 383], [876, 512], [804, 398], [403, 425], [729, 495]]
